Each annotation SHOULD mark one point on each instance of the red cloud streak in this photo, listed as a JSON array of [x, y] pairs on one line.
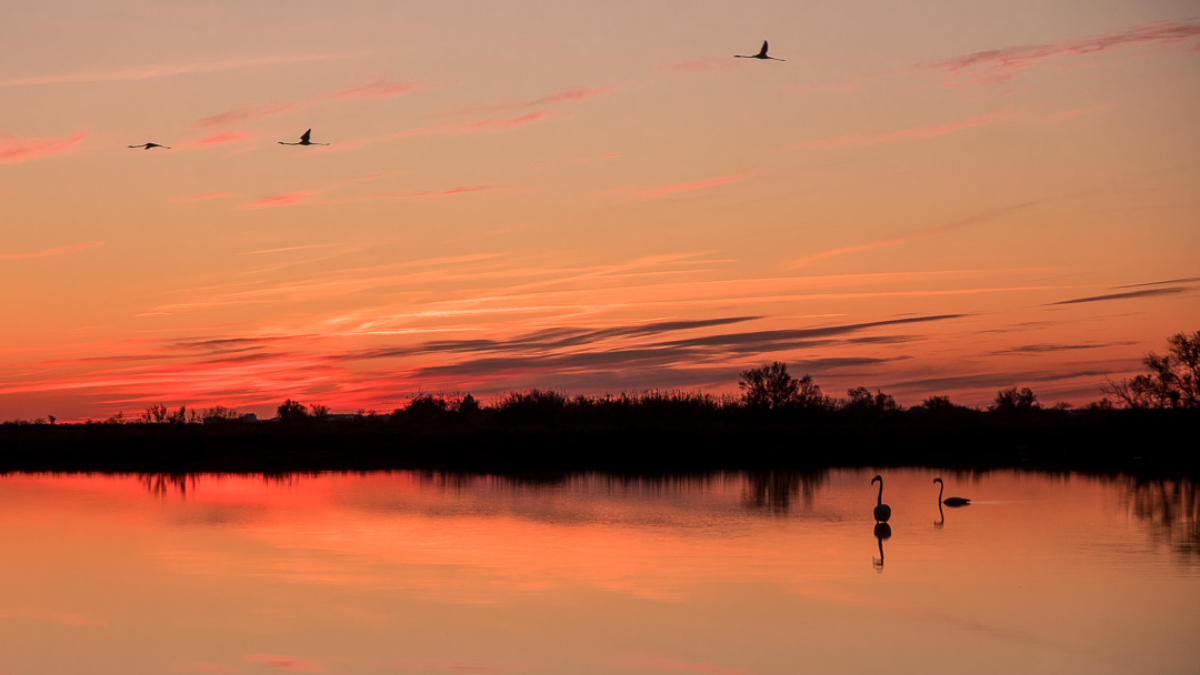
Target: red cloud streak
[[49, 252], [14, 149], [996, 64]]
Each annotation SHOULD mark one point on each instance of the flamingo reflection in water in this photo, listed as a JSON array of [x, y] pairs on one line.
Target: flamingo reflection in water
[[882, 531]]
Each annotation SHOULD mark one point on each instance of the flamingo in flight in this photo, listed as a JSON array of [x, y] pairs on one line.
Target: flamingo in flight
[[762, 54], [305, 139], [147, 146]]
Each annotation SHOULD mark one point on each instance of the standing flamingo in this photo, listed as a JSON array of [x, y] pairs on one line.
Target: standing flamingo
[[762, 54], [883, 512], [949, 501], [305, 139]]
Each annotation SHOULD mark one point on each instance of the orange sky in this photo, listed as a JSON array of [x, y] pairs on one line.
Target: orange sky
[[935, 197]]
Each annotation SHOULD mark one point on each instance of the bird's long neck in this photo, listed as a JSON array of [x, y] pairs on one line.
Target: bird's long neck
[[941, 488], [879, 499]]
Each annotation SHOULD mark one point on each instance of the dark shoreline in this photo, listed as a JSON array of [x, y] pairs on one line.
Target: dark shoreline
[[1136, 442]]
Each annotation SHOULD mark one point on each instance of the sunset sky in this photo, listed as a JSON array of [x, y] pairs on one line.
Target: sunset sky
[[931, 197]]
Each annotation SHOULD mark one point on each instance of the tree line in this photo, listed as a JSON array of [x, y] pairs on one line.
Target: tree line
[[1172, 381]]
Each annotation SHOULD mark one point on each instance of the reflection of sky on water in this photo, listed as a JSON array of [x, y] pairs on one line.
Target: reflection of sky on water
[[407, 572]]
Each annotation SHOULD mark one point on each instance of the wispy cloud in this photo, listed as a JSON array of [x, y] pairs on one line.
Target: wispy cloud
[[908, 134], [1186, 280], [908, 238], [690, 187], [61, 250], [1150, 292], [13, 149], [287, 199], [1061, 115], [383, 87], [709, 64], [1053, 348], [202, 197], [997, 65], [692, 667], [169, 70], [284, 663], [571, 95], [221, 138], [490, 124]]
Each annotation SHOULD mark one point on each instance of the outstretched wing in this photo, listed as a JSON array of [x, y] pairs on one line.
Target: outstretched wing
[[763, 51], [305, 136]]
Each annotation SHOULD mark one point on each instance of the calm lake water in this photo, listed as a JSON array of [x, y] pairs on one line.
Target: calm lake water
[[730, 574]]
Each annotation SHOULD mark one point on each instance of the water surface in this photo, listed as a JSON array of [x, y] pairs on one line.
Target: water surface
[[730, 574]]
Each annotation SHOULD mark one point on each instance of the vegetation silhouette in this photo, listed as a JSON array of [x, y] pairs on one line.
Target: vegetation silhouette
[[779, 423], [1173, 380]]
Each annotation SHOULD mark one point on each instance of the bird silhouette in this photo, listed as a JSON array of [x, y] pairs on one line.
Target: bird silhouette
[[147, 146], [762, 54], [883, 512], [305, 139], [882, 531], [949, 501]]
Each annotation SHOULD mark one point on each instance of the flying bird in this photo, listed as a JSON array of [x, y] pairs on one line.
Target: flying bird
[[304, 140], [147, 146], [762, 54]]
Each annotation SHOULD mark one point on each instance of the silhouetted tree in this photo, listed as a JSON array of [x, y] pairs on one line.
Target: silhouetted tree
[[468, 405], [318, 411], [1014, 400], [220, 415], [292, 411], [156, 413], [863, 401], [1173, 380], [180, 416], [771, 387]]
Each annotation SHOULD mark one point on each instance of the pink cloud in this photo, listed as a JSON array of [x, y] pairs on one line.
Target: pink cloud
[[202, 197], [222, 138], [1068, 114], [693, 667], [906, 134], [168, 70], [211, 668], [709, 64], [383, 87], [287, 199], [64, 618], [13, 149], [688, 187], [571, 95], [995, 65], [484, 125], [49, 252], [284, 663]]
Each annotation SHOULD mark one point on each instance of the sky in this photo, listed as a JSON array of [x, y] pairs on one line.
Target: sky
[[933, 197]]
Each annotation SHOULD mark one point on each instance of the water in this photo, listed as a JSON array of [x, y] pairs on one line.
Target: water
[[721, 575]]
